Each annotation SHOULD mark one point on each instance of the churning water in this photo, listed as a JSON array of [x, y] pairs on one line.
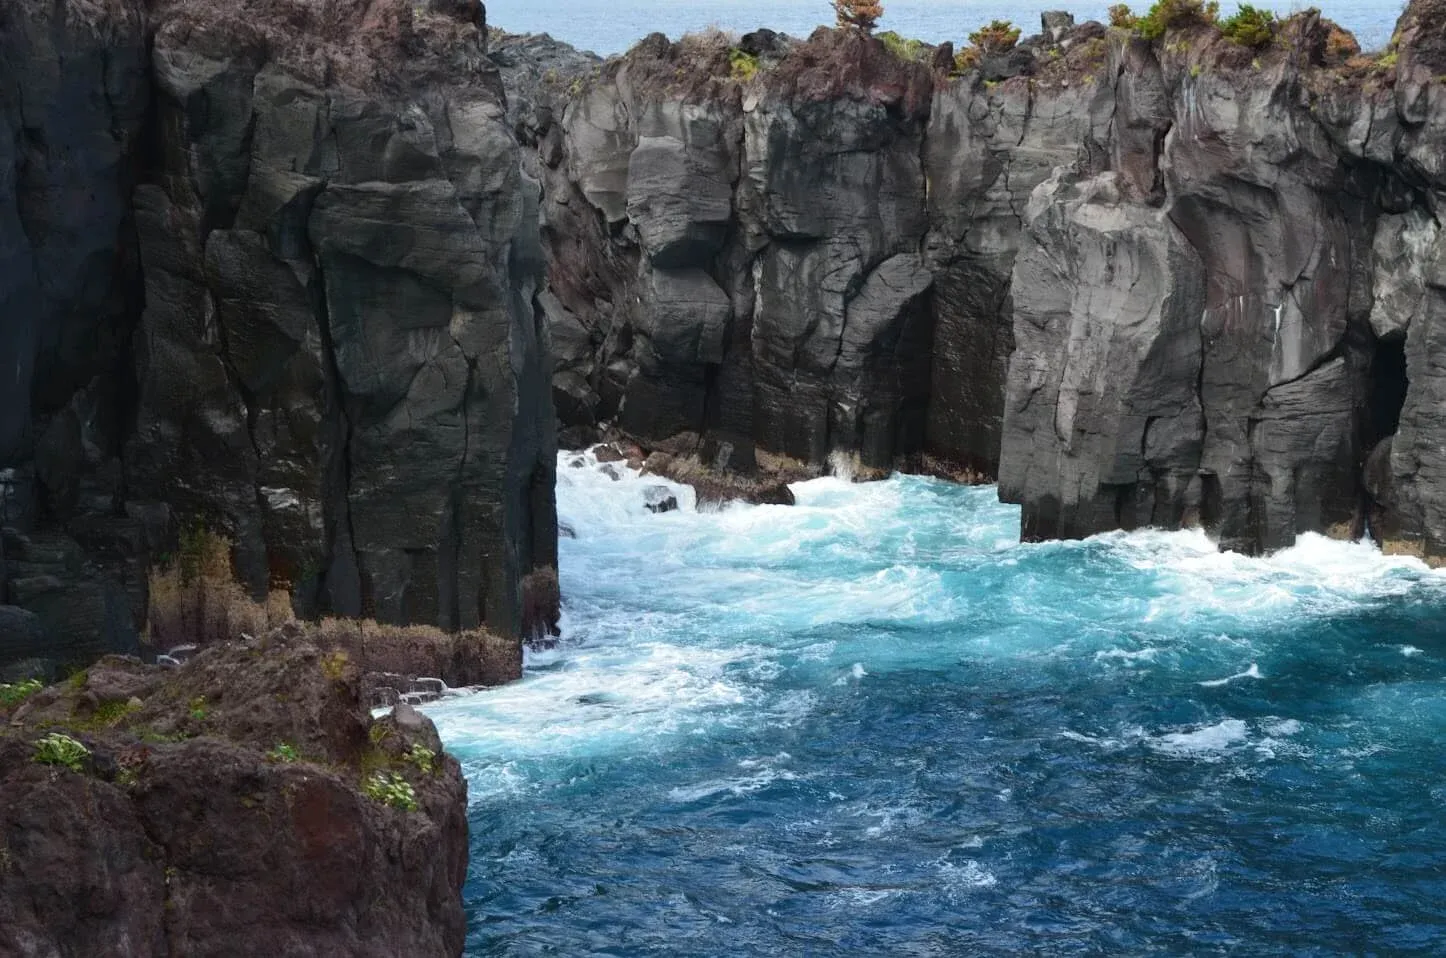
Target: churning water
[[612, 26], [876, 724]]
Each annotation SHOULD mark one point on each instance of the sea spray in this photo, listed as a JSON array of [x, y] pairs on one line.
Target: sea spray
[[874, 722]]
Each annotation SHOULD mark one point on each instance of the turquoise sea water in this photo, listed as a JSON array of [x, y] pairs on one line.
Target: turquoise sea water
[[612, 26], [876, 724]]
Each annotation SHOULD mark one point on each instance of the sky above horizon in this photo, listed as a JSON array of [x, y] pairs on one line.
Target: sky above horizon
[[612, 26]]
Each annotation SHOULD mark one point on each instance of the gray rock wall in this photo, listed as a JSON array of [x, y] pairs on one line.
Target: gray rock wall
[[1167, 283], [277, 280]]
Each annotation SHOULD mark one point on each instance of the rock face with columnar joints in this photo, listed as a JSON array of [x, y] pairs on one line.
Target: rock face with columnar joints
[[268, 271], [1166, 282]]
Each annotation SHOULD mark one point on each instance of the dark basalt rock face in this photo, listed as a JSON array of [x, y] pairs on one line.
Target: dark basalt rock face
[[1167, 283], [189, 830], [268, 269]]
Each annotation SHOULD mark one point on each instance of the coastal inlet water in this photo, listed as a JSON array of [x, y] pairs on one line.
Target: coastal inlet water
[[612, 26], [874, 723]]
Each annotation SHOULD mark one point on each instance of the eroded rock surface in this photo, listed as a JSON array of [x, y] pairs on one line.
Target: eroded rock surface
[[268, 270], [1167, 283], [220, 809]]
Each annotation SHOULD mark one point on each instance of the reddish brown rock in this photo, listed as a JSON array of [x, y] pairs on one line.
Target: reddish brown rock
[[221, 811]]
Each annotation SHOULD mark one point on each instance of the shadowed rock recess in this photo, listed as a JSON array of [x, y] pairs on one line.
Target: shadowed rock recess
[[1139, 283], [267, 269]]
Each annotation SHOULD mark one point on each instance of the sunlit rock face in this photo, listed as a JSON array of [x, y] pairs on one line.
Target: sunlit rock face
[[1166, 283]]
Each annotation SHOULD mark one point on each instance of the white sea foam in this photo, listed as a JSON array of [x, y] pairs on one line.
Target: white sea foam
[[759, 773], [1251, 673], [1206, 742], [958, 878], [683, 622]]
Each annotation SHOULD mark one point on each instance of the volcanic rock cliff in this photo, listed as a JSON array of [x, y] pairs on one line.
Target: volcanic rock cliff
[[267, 269], [245, 804], [1159, 282]]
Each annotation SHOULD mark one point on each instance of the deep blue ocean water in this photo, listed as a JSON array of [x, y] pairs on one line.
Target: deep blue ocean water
[[876, 724], [612, 26]]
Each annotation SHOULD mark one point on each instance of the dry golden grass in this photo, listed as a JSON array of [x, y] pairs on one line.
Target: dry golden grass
[[195, 598], [470, 657]]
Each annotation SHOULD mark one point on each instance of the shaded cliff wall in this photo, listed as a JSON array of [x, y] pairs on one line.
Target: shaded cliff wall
[[268, 270], [1168, 283]]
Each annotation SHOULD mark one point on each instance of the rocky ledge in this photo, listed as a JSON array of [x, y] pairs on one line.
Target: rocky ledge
[[1176, 279], [243, 804]]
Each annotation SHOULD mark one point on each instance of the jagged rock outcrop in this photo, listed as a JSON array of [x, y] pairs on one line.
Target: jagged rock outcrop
[[269, 270], [222, 809], [1171, 282]]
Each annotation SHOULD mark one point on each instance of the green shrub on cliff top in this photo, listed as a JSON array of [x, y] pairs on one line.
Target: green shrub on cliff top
[[742, 65], [905, 48], [391, 789], [1122, 17], [1172, 14], [1250, 27], [58, 749], [998, 37], [13, 695]]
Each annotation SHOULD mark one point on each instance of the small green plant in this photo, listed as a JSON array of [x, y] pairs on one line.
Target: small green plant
[[13, 694], [1196, 70], [1170, 14], [391, 789], [198, 708], [423, 758], [153, 737], [1249, 27], [1122, 17], [999, 36], [904, 48], [59, 749], [742, 65], [1388, 60], [333, 664], [282, 753], [966, 60]]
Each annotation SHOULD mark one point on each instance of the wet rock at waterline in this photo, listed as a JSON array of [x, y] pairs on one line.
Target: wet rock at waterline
[[659, 499]]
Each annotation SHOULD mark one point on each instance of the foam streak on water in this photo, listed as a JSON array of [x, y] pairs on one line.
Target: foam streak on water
[[874, 723]]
